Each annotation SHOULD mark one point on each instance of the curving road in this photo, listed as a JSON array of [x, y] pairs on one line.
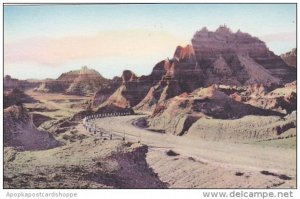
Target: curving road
[[253, 157]]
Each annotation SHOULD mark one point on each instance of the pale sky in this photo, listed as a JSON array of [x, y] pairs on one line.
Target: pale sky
[[45, 41]]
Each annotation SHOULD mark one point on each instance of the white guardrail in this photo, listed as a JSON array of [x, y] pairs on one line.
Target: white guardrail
[[89, 123]]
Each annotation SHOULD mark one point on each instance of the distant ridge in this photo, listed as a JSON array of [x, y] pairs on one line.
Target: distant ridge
[[79, 82]]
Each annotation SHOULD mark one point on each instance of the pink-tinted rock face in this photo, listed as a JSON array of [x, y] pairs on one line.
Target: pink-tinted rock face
[[167, 79], [241, 57], [185, 54], [221, 57], [178, 75], [209, 45], [104, 93], [129, 93], [128, 90]]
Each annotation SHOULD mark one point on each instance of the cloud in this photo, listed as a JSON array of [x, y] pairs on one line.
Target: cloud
[[279, 37], [47, 51]]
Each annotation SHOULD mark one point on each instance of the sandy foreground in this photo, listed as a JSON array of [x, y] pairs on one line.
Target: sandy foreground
[[207, 164], [87, 160]]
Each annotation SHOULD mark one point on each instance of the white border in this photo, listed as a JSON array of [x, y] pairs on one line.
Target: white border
[[126, 193]]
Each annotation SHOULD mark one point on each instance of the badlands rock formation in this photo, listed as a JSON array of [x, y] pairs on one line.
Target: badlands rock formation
[[176, 115], [104, 93], [290, 57], [80, 82], [282, 99], [219, 57], [129, 93], [220, 104], [134, 89], [234, 75], [167, 79], [238, 59], [180, 74], [20, 132]]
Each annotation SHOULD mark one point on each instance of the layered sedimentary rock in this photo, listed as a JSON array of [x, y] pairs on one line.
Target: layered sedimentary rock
[[282, 99], [21, 133], [221, 103], [177, 114], [128, 90], [129, 93], [221, 57], [80, 82], [180, 74], [134, 89], [290, 57], [104, 93], [238, 59], [208, 45]]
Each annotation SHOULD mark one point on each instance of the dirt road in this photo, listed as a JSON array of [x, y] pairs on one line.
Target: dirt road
[[236, 156]]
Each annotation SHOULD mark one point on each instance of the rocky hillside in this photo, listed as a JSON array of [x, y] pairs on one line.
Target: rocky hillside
[[80, 82], [238, 59], [129, 93], [282, 99], [223, 103], [219, 57], [20, 132], [128, 90], [215, 57], [180, 74], [290, 57], [104, 93], [176, 115]]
